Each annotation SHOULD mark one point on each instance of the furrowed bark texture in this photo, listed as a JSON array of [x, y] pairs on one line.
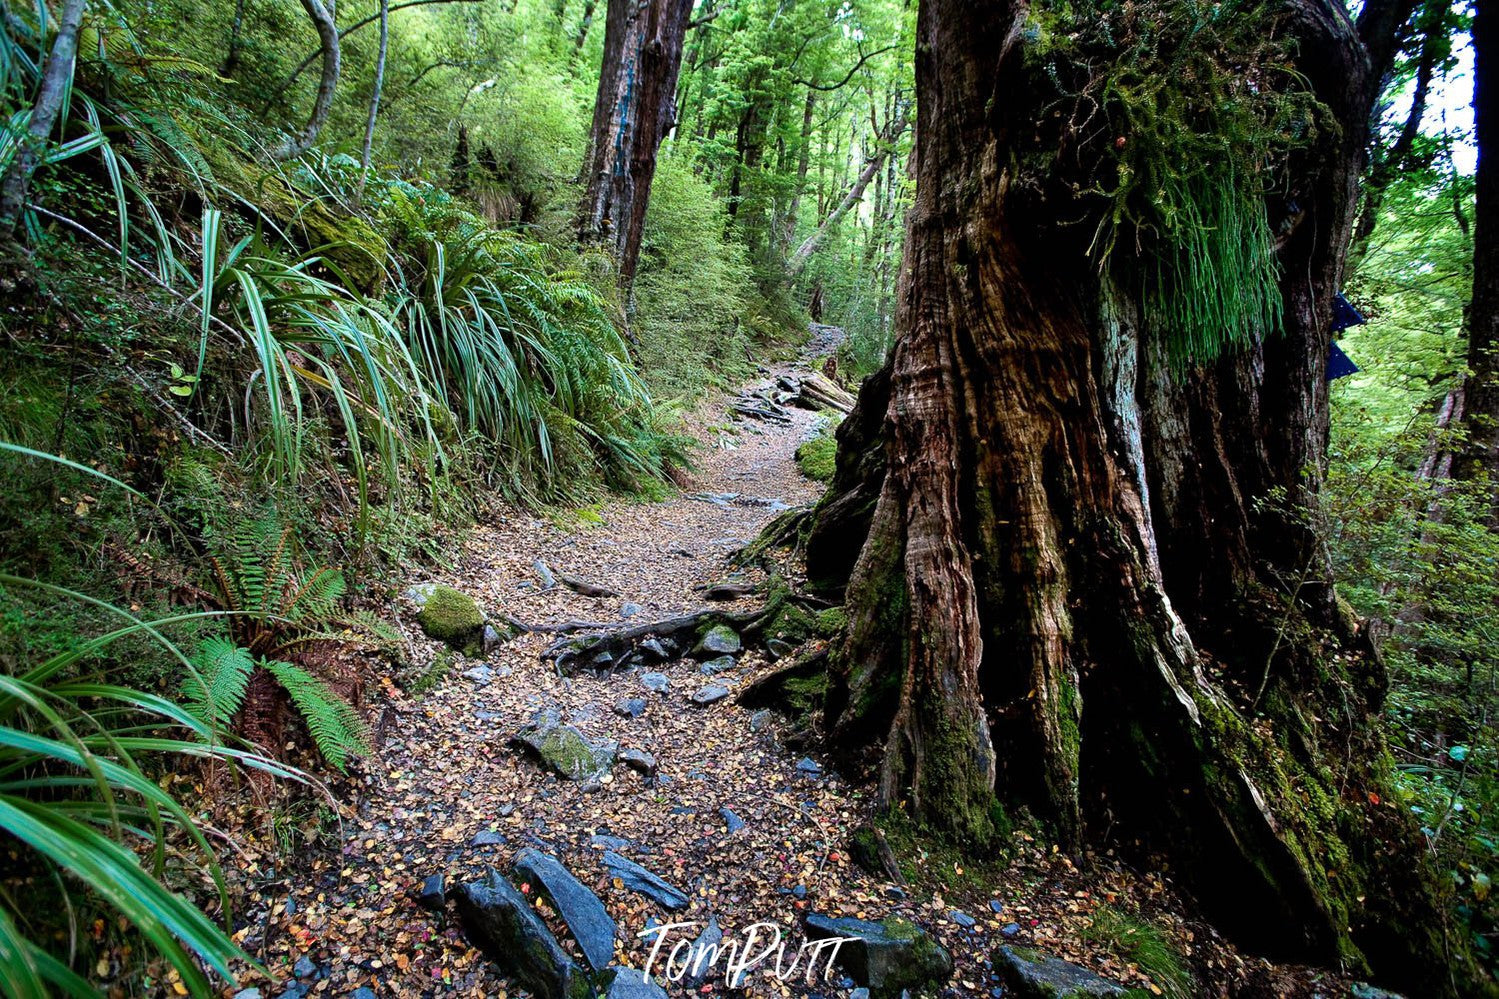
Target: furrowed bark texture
[[632, 114], [1094, 584]]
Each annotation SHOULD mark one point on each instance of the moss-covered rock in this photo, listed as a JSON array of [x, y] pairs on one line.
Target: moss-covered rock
[[818, 458], [1032, 975], [888, 958], [452, 617], [719, 640]]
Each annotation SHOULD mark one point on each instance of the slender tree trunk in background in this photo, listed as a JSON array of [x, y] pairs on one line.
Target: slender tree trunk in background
[[327, 30], [634, 111], [1480, 392], [885, 146], [56, 78], [1436, 44], [581, 38], [1068, 584], [231, 57], [803, 164], [369, 125]]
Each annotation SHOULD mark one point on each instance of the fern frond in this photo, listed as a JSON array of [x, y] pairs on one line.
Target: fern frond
[[374, 626], [335, 726], [316, 599], [217, 690]]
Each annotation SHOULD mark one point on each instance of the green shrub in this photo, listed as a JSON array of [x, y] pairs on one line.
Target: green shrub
[[694, 296]]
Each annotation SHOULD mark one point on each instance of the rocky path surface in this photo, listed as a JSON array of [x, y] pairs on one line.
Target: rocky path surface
[[736, 828]]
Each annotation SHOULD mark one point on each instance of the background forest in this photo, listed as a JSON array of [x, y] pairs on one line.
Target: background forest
[[250, 335]]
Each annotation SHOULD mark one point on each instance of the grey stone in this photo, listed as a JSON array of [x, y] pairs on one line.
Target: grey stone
[[887, 958], [630, 707], [760, 720], [779, 648], [1363, 990], [1032, 975], [639, 759], [719, 640], [247, 994], [703, 954], [433, 895], [711, 694], [305, 967], [296, 990], [720, 665], [734, 822], [479, 674], [655, 681], [1010, 931], [610, 842], [494, 637], [487, 837], [807, 765], [548, 581], [629, 610], [500, 921], [963, 919], [655, 649], [996, 906], [363, 992], [642, 881], [580, 909], [629, 983]]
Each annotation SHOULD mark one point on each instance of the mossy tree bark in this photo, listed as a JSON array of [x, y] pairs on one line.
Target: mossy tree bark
[[1090, 581], [633, 112]]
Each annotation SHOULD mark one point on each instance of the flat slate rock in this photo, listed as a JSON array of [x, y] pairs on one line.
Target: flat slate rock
[[500, 921], [887, 958], [630, 983], [433, 897], [703, 954], [734, 822], [642, 881], [655, 681], [722, 664], [580, 909], [711, 694], [1033, 975]]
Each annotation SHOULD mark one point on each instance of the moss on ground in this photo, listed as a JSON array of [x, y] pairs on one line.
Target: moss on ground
[[818, 457]]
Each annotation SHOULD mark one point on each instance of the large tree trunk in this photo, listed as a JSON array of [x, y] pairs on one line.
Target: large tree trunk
[[1091, 581], [1480, 391], [634, 111]]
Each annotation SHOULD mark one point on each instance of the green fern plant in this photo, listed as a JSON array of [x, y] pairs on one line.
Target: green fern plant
[[279, 615]]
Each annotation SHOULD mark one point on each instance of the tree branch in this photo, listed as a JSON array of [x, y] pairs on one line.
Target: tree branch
[[312, 57], [844, 82]]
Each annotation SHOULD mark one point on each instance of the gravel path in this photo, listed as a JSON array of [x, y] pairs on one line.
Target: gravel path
[[448, 794]]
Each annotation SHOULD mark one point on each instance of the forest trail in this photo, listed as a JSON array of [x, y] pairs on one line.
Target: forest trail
[[750, 830]]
